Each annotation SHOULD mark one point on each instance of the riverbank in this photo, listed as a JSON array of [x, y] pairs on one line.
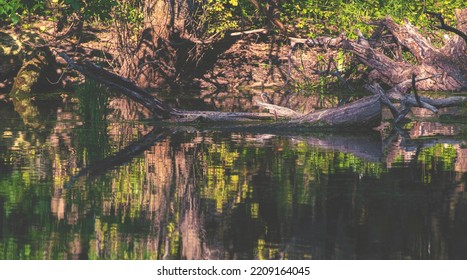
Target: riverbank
[[253, 61]]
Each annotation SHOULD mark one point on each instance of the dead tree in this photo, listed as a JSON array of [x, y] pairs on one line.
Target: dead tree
[[364, 113], [447, 66], [442, 69]]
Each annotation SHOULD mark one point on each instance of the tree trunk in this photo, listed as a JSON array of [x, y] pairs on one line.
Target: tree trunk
[[152, 47], [165, 54], [168, 52]]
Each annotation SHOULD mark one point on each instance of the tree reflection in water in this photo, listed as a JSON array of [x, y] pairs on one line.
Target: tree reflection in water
[[95, 188]]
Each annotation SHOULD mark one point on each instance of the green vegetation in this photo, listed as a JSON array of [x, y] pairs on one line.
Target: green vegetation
[[304, 18], [14, 11], [336, 16]]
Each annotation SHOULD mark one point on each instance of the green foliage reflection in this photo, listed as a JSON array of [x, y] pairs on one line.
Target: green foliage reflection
[[210, 195]]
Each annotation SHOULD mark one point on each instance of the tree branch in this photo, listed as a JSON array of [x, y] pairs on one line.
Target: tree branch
[[446, 27]]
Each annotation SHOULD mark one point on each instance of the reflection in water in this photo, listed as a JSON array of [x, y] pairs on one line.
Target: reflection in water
[[86, 187]]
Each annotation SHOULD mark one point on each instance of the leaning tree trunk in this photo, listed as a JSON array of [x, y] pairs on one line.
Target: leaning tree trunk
[[169, 51], [155, 60], [446, 66]]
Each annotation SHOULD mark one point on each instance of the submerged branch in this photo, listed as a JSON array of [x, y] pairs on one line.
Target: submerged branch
[[408, 101]]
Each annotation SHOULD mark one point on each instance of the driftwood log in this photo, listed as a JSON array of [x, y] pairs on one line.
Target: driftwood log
[[362, 114]]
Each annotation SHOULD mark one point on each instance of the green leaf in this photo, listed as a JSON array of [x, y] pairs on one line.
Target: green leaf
[[15, 18]]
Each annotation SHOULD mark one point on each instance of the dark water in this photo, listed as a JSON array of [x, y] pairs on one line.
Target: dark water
[[77, 185]]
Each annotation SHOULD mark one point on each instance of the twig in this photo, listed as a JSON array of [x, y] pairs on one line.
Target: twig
[[402, 113], [254, 31], [446, 27], [59, 79]]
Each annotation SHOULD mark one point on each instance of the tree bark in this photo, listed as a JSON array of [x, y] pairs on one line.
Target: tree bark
[[153, 61], [168, 52], [441, 69], [447, 66]]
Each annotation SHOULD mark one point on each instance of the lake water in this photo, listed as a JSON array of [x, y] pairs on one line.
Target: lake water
[[75, 184]]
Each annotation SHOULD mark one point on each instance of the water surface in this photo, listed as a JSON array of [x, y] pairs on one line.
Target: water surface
[[91, 178]]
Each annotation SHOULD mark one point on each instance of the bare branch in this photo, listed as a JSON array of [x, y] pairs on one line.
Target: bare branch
[[414, 88], [446, 27], [254, 31], [279, 111]]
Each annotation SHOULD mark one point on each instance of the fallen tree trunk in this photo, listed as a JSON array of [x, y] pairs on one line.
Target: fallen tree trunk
[[364, 113], [447, 71], [158, 108], [446, 66]]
